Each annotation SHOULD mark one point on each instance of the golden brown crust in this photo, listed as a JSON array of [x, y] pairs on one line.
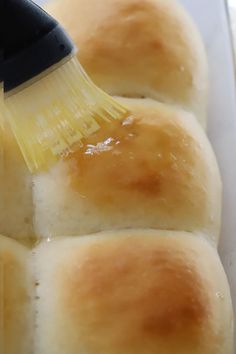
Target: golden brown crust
[[134, 292], [148, 155], [139, 48], [143, 278]]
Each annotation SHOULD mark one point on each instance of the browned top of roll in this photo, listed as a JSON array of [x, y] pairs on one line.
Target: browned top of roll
[[139, 48]]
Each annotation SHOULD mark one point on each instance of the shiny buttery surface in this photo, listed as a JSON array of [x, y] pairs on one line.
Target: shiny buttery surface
[[138, 158]]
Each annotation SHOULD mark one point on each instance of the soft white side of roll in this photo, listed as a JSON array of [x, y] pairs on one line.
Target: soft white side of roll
[[16, 191], [132, 292], [16, 298]]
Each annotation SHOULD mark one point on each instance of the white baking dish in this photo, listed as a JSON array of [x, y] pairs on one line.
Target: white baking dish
[[212, 19]]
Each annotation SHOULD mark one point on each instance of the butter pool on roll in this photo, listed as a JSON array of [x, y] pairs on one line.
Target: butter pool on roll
[[132, 292], [155, 169], [16, 298]]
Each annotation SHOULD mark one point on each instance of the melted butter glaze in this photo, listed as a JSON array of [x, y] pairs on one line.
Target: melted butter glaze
[[127, 162]]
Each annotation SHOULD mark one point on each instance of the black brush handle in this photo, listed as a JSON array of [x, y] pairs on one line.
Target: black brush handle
[[33, 42], [1, 66]]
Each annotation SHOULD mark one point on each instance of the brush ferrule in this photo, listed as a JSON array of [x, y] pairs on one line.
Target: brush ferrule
[[37, 58], [33, 42], [1, 67]]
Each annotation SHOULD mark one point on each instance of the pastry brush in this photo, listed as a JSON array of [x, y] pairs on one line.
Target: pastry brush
[[52, 104], [2, 113]]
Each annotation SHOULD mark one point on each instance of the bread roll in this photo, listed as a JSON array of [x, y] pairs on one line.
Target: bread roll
[[16, 298], [156, 169], [132, 292], [139, 48]]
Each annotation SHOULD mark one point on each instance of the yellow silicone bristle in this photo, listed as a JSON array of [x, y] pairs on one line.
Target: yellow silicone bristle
[[55, 113]]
